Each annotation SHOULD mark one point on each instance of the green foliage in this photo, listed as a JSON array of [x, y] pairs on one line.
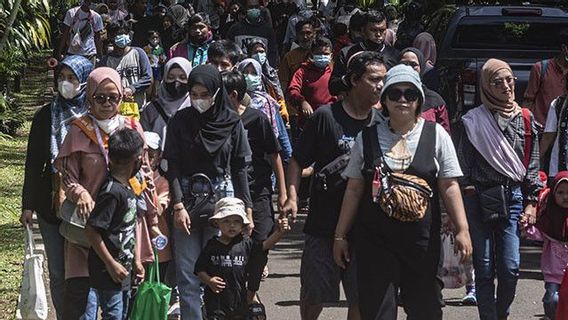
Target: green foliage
[[31, 29], [11, 117]]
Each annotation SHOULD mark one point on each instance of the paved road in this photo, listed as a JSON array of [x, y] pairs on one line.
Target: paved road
[[280, 292]]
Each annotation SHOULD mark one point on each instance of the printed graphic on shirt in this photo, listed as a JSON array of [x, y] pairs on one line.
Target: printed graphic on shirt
[[244, 40], [125, 240], [228, 261], [345, 143]]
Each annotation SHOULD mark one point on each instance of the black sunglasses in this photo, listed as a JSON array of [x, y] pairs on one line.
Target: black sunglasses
[[410, 95], [102, 99]]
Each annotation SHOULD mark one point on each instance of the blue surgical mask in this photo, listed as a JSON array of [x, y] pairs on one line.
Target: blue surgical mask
[[253, 13], [321, 60], [122, 40], [260, 57], [254, 82]]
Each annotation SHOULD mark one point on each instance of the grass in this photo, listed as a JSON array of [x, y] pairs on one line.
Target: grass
[[12, 157]]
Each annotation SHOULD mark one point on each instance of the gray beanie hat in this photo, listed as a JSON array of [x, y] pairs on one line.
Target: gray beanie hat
[[402, 74]]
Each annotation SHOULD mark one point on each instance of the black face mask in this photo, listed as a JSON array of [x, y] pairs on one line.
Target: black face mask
[[176, 89], [136, 168]]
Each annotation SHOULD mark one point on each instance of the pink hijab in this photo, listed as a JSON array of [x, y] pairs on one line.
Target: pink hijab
[[97, 76], [426, 44]]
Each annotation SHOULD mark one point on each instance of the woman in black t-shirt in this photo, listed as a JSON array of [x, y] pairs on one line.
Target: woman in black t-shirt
[[207, 138]]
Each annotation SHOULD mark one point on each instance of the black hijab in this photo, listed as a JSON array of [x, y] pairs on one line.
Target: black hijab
[[431, 98], [215, 125]]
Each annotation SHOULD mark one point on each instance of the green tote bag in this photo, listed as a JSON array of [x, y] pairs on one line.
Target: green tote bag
[[153, 297]]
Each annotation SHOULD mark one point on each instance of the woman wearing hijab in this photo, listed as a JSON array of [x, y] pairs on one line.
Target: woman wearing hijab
[[173, 95], [257, 50], [196, 43], [498, 153], [434, 106], [82, 162], [261, 100], [207, 138], [49, 128], [427, 45]]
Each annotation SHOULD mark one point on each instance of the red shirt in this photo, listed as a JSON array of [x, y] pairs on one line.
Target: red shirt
[[309, 83], [541, 94]]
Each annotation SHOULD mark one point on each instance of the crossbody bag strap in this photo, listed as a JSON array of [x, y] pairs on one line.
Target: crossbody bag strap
[[161, 111], [528, 136], [371, 148]]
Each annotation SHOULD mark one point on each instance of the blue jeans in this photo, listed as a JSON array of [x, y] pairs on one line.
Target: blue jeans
[[114, 304], [495, 253], [550, 299], [54, 244], [187, 250]]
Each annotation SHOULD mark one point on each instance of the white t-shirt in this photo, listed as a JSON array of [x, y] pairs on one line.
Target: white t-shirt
[[445, 156], [552, 127], [87, 46]]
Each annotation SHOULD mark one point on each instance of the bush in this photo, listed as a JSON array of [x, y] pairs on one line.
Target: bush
[[11, 115]]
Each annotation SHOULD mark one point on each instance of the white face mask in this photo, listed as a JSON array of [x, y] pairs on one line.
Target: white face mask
[[109, 125], [202, 105], [68, 89]]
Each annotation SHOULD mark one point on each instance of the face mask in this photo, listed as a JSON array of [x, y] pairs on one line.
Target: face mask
[[253, 14], [136, 168], [176, 89], [109, 125], [253, 82], [260, 57], [68, 90], [321, 60], [202, 105], [122, 40]]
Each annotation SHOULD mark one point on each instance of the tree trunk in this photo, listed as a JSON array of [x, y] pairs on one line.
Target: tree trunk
[[11, 19]]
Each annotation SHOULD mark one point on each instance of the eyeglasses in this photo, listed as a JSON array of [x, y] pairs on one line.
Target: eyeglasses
[[499, 82], [410, 63], [410, 95], [102, 99]]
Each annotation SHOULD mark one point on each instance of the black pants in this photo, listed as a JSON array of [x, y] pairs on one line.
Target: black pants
[[381, 272], [263, 216], [75, 295]]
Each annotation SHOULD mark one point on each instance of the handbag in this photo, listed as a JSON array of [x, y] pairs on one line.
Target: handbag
[[452, 273], [200, 195], [401, 196], [153, 297], [72, 227], [494, 203], [33, 298]]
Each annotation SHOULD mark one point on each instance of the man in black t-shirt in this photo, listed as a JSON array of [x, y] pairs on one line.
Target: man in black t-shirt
[[374, 32], [265, 160], [111, 229], [329, 135]]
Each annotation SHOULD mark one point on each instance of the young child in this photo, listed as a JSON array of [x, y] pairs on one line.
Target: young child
[[111, 229], [552, 228], [224, 262], [157, 56], [308, 88]]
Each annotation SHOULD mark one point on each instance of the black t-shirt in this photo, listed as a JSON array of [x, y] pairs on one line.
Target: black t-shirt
[[229, 262], [328, 134], [262, 142], [114, 216]]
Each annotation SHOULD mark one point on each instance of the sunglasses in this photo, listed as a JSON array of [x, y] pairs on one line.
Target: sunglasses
[[410, 95], [102, 99]]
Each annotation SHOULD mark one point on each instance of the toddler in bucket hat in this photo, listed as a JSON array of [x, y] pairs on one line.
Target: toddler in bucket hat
[[227, 207]]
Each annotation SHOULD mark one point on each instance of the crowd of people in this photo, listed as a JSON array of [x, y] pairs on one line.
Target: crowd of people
[[204, 128]]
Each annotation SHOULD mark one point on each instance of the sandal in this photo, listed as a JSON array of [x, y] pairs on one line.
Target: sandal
[[257, 311]]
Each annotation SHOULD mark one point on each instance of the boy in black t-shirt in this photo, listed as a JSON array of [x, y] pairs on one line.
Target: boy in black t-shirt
[[111, 229], [223, 263]]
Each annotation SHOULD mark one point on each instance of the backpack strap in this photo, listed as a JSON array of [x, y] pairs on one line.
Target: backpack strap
[[543, 68], [161, 111], [371, 148], [528, 136]]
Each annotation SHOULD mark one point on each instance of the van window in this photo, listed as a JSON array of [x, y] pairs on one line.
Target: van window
[[528, 33]]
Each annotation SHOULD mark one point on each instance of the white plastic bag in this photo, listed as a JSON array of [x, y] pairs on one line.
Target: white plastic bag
[[33, 299], [452, 272]]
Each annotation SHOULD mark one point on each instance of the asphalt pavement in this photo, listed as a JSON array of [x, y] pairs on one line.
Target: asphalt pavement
[[280, 292]]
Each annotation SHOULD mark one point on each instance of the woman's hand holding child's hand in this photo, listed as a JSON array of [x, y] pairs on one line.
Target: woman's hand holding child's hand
[[216, 284], [283, 225]]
